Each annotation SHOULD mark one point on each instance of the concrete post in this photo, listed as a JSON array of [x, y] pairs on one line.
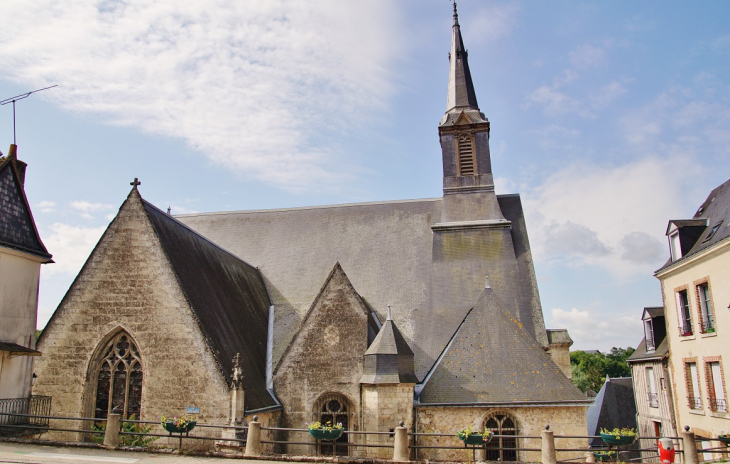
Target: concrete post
[[111, 433], [400, 446], [548, 447], [590, 458], [253, 442], [689, 446]]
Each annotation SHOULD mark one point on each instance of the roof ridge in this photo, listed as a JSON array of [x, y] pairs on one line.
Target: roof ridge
[[304, 208]]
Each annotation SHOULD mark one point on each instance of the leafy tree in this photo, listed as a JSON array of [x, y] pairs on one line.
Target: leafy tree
[[590, 369]]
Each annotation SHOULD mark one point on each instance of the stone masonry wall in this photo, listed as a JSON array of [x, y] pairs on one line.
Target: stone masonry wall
[[530, 422], [127, 283], [325, 357], [383, 407], [560, 354]]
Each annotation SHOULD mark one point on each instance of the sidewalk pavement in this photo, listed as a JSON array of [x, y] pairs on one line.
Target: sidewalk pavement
[[43, 454]]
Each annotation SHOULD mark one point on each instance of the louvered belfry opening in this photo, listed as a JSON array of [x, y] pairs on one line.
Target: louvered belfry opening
[[466, 156]]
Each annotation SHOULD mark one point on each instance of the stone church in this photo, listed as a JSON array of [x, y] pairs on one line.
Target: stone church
[[425, 311]]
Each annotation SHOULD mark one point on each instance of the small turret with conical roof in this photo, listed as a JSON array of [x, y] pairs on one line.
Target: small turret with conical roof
[[389, 359]]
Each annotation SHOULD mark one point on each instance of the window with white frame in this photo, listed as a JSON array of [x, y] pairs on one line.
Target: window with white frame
[[649, 335], [675, 247], [692, 381], [707, 318], [685, 314], [715, 387], [651, 387]]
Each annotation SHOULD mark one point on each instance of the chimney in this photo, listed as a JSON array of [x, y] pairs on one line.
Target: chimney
[[19, 165]]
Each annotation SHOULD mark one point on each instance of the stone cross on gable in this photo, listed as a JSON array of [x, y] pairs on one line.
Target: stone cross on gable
[[135, 183]]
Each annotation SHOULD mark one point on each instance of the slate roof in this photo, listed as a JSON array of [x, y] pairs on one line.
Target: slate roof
[[641, 354], [228, 298], [715, 210], [17, 227], [386, 248], [493, 359], [614, 407], [388, 359], [18, 350], [654, 311]]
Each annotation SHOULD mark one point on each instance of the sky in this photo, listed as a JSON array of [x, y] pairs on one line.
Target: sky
[[609, 119]]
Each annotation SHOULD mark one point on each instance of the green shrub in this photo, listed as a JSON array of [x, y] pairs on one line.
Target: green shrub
[[126, 440]]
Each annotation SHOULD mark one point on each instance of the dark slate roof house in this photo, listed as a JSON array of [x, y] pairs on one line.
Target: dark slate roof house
[[614, 407]]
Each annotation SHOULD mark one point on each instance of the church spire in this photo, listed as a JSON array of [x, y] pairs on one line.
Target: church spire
[[461, 95]]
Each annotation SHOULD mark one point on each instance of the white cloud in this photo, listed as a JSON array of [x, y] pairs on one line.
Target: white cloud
[[71, 246], [46, 206], [253, 85], [589, 329], [586, 214], [87, 207]]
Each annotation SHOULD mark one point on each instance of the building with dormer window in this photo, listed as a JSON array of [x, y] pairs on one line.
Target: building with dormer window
[[650, 374], [695, 285]]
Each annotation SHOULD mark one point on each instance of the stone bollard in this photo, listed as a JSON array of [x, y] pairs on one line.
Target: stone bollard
[[548, 447], [111, 432], [400, 446], [590, 458], [253, 442], [689, 445]]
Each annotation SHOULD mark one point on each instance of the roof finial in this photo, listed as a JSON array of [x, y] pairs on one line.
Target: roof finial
[[135, 183], [169, 208], [389, 317], [456, 16]]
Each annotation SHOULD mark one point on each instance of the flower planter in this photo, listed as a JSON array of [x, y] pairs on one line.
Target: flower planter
[[321, 434], [173, 428], [725, 440], [617, 441], [604, 455], [474, 439]]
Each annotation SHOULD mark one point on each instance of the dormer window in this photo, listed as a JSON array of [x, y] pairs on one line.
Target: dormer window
[[713, 231], [674, 246], [649, 335]]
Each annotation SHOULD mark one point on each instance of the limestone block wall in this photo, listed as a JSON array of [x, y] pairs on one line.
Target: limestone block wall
[[567, 420], [324, 358], [383, 407], [560, 354], [127, 284]]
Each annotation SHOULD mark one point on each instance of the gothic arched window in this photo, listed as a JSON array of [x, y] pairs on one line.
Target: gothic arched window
[[119, 379], [505, 425], [333, 408]]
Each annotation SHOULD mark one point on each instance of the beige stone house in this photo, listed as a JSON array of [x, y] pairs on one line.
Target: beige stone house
[[164, 304], [651, 381], [696, 292], [21, 254]]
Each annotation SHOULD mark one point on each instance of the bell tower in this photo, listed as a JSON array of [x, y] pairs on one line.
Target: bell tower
[[464, 135]]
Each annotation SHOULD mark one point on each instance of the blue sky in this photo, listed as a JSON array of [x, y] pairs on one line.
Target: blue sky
[[609, 118]]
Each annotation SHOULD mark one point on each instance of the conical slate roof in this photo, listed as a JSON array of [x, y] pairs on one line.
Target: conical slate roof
[[493, 359], [461, 93], [17, 227], [389, 359]]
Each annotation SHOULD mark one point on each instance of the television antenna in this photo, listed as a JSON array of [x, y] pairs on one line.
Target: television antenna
[[22, 96]]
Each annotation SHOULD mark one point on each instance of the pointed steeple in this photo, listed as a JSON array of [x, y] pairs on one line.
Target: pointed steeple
[[464, 135], [461, 95]]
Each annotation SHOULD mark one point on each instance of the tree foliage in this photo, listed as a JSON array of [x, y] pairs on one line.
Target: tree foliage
[[590, 369]]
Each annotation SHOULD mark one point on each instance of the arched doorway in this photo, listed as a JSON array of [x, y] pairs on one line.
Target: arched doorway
[[334, 408], [504, 447], [118, 378]]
